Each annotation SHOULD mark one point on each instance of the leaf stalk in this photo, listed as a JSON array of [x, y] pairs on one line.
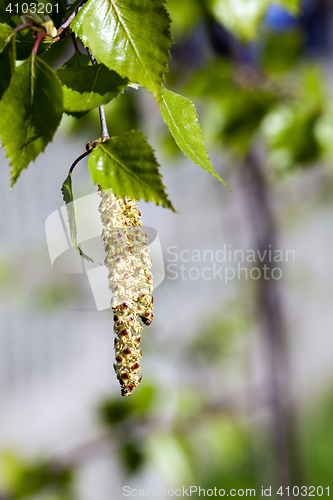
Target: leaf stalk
[[86, 153], [68, 21], [22, 27], [37, 42]]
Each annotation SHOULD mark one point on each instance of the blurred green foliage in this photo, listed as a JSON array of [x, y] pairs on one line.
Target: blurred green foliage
[[289, 111], [7, 271], [184, 15], [317, 441], [243, 17], [281, 50], [122, 416], [22, 478], [55, 294], [290, 128], [218, 335], [116, 410], [47, 292]]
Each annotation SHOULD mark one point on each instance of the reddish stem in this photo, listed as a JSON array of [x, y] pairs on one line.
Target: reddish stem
[[22, 27], [37, 42]]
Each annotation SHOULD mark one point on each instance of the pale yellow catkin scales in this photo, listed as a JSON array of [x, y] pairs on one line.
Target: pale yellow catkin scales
[[130, 280]]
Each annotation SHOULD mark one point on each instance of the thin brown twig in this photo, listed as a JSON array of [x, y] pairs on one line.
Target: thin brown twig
[[68, 21], [75, 42]]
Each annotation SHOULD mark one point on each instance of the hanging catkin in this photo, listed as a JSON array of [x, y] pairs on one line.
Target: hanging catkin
[[130, 280]]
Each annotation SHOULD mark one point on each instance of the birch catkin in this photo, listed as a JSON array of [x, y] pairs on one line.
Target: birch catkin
[[130, 280]]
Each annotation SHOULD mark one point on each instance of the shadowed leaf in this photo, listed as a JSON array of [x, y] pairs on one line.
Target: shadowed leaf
[[89, 87], [7, 57], [67, 194], [30, 112]]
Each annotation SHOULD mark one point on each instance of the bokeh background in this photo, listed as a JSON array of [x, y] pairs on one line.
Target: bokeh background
[[237, 376]]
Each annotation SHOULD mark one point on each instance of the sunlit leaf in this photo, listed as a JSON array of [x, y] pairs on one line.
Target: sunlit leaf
[[130, 36], [181, 117], [127, 164]]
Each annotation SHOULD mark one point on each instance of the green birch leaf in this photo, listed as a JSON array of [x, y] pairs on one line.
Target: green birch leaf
[[181, 117], [78, 60], [243, 17], [73, 6], [89, 87], [7, 57], [126, 164], [67, 194], [30, 112], [130, 36], [5, 34]]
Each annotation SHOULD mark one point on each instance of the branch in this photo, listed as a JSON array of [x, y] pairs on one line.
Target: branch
[[271, 315], [104, 127], [68, 21]]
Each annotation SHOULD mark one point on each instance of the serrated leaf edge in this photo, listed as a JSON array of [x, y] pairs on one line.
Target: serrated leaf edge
[[133, 175], [157, 96], [15, 178], [199, 161], [73, 223]]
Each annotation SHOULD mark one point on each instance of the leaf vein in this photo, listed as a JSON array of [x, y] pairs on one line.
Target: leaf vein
[[129, 36], [175, 124]]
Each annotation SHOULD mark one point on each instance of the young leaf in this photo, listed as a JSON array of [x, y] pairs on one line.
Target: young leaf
[[181, 117], [30, 112], [130, 36], [89, 87], [126, 163], [67, 194], [7, 57]]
